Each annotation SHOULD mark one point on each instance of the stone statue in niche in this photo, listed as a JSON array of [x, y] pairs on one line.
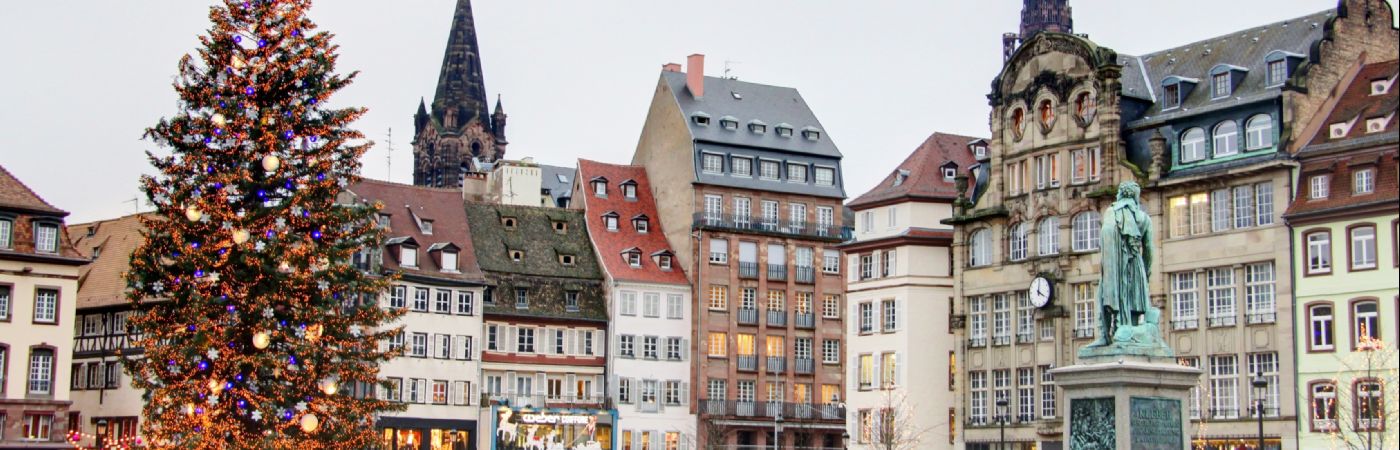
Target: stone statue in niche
[[1128, 324]]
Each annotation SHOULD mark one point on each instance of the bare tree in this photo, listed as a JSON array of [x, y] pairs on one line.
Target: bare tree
[[894, 425], [1362, 413], [711, 435]]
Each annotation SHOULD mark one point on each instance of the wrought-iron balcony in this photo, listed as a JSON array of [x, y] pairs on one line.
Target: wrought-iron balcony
[[747, 362], [804, 366], [1222, 321], [1263, 317], [1083, 333], [1025, 337], [777, 318], [1186, 323], [777, 364], [545, 401], [748, 316], [977, 342], [777, 272], [805, 320], [770, 225], [748, 270], [760, 409], [806, 275]]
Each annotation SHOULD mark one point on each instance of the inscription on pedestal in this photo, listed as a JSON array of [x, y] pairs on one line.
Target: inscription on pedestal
[[1155, 423], [1091, 425]]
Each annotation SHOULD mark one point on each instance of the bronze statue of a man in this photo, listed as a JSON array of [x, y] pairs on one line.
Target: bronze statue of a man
[[1127, 256]]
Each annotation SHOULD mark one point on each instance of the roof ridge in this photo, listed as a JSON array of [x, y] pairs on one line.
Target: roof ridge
[[29, 190], [114, 219], [1148, 55]]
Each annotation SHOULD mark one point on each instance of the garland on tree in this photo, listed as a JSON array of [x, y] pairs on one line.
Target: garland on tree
[[257, 331]]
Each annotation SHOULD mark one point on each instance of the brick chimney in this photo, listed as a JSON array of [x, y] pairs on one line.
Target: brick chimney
[[670, 67], [695, 75]]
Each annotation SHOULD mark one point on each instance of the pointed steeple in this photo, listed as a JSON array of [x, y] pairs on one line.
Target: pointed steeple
[[498, 122], [461, 91], [420, 118], [1045, 15]]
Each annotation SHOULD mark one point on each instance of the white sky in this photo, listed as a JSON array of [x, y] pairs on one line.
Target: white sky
[[81, 80]]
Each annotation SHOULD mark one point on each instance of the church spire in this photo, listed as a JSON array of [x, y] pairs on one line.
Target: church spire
[[461, 91], [1045, 15]]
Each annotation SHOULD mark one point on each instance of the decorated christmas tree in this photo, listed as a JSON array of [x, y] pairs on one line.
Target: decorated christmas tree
[[257, 331]]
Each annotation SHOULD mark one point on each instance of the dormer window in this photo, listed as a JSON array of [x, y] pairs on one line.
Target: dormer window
[[741, 166], [516, 255], [700, 118], [1277, 65], [46, 237], [758, 127], [1224, 78], [641, 223], [383, 221], [797, 173], [408, 256], [1317, 186], [979, 151], [1278, 72], [610, 221], [712, 163], [1377, 124], [560, 227], [768, 170], [1220, 85], [811, 134], [729, 123], [899, 177], [571, 301], [784, 130], [600, 187], [826, 176], [449, 261], [633, 257], [629, 189], [950, 172], [425, 226], [1339, 130], [1193, 145], [567, 260], [663, 261], [1171, 96], [1381, 86], [508, 223]]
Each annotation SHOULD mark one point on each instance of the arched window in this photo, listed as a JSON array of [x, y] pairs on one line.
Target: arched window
[[1320, 326], [1365, 325], [1259, 132], [1086, 231], [1019, 235], [1226, 138], [1047, 113], [1018, 121], [980, 248], [1193, 145], [1048, 235]]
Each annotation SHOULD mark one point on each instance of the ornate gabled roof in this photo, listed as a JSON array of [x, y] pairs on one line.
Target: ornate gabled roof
[[919, 176], [428, 218], [460, 83], [611, 244], [1357, 105]]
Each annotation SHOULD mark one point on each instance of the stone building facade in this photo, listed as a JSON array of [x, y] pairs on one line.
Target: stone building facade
[[750, 170], [457, 135]]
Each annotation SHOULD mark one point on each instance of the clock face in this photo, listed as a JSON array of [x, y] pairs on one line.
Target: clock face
[[1040, 292]]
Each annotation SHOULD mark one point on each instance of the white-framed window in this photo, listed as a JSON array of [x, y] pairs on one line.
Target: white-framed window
[[1266, 364], [466, 303], [1244, 206], [1259, 132], [1319, 252], [1369, 405], [1224, 373], [522, 298], [1321, 328], [449, 261], [1365, 324], [977, 382], [418, 345], [1220, 296], [1084, 309], [1001, 319], [768, 170], [41, 371], [826, 219], [1226, 139], [600, 187], [1264, 204], [1047, 393], [888, 259], [831, 351], [443, 346], [1086, 227], [1363, 181], [714, 209], [831, 261], [741, 166], [866, 312], [977, 324], [1323, 406], [1317, 186], [1363, 247], [675, 306], [1020, 234], [1278, 71], [831, 306], [1259, 293], [797, 173], [442, 302], [610, 221], [5, 292], [651, 304], [889, 310], [1025, 317], [979, 246], [420, 299], [719, 251], [867, 266], [1220, 85], [408, 256], [1186, 300], [825, 176], [769, 209], [1079, 166], [743, 210], [1048, 236], [1193, 145], [45, 305], [797, 215], [712, 163], [37, 427], [46, 237], [7, 228], [1220, 209]]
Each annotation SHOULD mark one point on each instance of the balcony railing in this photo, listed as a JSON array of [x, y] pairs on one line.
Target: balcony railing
[[1264, 317], [805, 320], [777, 318], [789, 411], [1083, 333], [747, 362], [804, 366], [748, 270], [1325, 424], [777, 364], [544, 401], [1222, 321], [1025, 338], [748, 316], [1004, 339], [777, 272], [730, 222], [1186, 323], [977, 342], [806, 275]]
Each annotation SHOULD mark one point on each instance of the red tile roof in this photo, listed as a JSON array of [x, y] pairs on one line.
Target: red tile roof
[[406, 205], [14, 194], [103, 282], [611, 244], [925, 179], [1357, 105]]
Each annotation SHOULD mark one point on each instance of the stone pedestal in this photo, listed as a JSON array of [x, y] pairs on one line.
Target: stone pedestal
[[1127, 402]]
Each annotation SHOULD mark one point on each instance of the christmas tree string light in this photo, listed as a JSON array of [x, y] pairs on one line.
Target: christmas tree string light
[[256, 330]]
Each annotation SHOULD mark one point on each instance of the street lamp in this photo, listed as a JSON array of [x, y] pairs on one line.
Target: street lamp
[[101, 433], [845, 439], [1001, 418], [777, 428], [1260, 384]]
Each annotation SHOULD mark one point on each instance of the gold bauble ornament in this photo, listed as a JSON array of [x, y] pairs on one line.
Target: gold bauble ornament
[[261, 340], [219, 119], [309, 423], [216, 386], [329, 386], [240, 236], [271, 162], [313, 332], [193, 214], [238, 62], [189, 409]]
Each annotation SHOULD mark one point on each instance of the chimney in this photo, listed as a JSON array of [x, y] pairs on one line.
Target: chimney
[[695, 75], [670, 67]]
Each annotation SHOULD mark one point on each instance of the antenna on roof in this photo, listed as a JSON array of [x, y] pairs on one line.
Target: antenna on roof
[[135, 203], [389, 156], [727, 69]]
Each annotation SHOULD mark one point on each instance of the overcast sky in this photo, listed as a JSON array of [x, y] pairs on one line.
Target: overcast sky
[[81, 80]]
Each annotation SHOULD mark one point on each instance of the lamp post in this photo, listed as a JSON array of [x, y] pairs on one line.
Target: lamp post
[[1001, 419], [1260, 385], [777, 428], [101, 433], [845, 439]]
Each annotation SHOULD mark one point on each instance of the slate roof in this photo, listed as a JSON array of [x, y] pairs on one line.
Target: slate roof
[[14, 194], [1246, 48], [103, 281], [771, 104], [406, 206], [921, 172], [550, 179], [534, 234], [1356, 104], [611, 244]]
